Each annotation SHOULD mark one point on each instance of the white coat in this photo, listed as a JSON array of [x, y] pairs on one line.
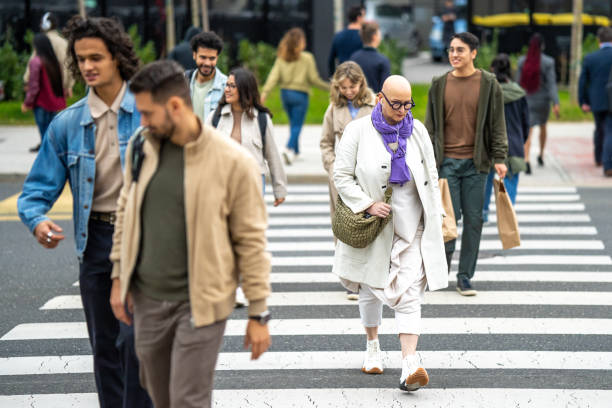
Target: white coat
[[361, 173]]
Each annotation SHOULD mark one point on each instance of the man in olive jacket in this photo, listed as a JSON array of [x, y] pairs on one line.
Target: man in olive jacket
[[465, 120], [191, 224]]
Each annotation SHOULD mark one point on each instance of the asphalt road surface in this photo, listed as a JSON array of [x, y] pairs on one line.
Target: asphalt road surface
[[539, 333]]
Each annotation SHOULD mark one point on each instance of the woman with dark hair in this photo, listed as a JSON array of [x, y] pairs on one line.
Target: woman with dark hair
[[45, 94], [295, 72], [516, 114], [536, 74], [238, 117]]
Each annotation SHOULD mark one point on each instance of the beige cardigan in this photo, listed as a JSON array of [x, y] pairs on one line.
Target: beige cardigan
[[252, 141], [226, 224]]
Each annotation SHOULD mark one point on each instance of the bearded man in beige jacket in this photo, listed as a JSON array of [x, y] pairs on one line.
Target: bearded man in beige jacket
[[190, 225]]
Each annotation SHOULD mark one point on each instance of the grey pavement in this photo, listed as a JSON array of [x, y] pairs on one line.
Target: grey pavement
[[568, 155]]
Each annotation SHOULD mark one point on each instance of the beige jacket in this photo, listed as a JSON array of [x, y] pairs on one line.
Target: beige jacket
[[361, 173], [335, 120], [60, 48], [252, 141], [225, 219]]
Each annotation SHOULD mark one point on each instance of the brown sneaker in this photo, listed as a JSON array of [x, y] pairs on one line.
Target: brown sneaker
[[415, 375]]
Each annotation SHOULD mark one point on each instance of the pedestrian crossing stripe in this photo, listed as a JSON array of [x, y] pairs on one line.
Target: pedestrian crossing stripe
[[356, 397], [324, 198], [334, 360], [324, 209], [323, 188], [346, 326], [431, 298]]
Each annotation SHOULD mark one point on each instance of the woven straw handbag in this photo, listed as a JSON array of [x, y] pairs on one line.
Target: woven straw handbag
[[361, 229]]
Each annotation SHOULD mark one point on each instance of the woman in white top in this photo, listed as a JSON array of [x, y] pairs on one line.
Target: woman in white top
[[389, 146], [238, 117]]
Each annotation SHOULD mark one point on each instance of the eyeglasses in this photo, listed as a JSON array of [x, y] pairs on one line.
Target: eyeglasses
[[397, 104], [458, 50], [230, 85]]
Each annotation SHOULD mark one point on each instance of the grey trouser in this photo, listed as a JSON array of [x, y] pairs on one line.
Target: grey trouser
[[177, 361], [466, 185]]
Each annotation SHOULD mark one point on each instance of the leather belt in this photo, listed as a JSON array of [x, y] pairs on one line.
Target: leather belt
[[108, 217]]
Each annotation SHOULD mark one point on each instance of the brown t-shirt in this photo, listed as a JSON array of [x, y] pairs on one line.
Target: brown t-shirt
[[460, 112]]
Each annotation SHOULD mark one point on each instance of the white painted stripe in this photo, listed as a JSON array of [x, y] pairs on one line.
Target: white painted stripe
[[355, 397], [324, 198], [322, 188], [424, 398], [525, 230], [485, 245], [76, 283], [301, 327], [324, 209], [432, 298], [481, 276], [277, 220], [85, 400], [544, 260], [335, 360], [496, 260]]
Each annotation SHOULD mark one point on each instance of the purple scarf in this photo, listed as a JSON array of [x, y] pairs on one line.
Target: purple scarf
[[395, 134]]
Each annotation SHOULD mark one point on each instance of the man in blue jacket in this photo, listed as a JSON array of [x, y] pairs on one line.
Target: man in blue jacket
[[376, 67], [347, 41], [85, 145], [593, 96]]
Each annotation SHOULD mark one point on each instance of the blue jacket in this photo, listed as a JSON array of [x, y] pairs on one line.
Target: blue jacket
[[593, 79], [345, 43], [67, 153], [214, 95], [376, 67]]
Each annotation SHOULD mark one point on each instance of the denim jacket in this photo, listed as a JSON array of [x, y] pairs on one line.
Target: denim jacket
[[68, 153], [214, 95]]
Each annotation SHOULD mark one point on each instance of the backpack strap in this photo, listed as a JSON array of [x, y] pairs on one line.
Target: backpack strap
[[137, 155], [263, 124], [189, 73], [216, 117]]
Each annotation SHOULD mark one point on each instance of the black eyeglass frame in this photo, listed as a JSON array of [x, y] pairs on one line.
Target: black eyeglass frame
[[397, 105]]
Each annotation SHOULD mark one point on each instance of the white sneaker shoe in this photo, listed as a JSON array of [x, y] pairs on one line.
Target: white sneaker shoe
[[372, 363], [414, 376], [288, 156], [241, 300]]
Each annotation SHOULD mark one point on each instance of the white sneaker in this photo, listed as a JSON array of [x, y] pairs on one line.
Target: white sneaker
[[414, 376], [241, 300], [372, 363], [289, 156]]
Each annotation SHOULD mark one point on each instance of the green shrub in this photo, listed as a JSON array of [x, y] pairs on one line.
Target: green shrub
[[395, 52], [147, 52], [589, 44], [259, 58], [12, 68], [487, 52]]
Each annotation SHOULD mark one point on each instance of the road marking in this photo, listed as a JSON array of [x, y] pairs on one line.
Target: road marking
[[84, 400], [62, 207], [431, 298], [335, 360], [324, 198], [481, 276], [322, 188], [303, 327], [324, 209]]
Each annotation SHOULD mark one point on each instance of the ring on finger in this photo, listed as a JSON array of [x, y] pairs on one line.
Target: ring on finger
[[48, 240]]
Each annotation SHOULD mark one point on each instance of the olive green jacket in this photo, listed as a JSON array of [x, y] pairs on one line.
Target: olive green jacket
[[491, 143]]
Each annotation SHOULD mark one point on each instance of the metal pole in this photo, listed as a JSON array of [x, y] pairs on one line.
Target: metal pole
[[82, 8], [205, 23], [575, 52], [195, 13], [170, 35]]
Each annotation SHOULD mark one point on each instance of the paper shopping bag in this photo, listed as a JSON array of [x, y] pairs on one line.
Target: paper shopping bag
[[449, 225], [507, 225]]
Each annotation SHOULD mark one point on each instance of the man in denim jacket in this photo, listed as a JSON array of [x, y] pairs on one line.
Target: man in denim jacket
[[85, 144]]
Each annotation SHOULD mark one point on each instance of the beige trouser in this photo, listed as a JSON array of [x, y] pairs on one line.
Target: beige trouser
[[333, 195], [177, 361]]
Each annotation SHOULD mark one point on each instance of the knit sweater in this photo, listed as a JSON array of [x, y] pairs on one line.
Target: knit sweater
[[298, 75]]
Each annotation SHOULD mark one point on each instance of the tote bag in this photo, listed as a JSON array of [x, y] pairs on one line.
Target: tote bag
[[507, 226]]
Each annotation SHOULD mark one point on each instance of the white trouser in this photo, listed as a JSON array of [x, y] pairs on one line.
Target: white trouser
[[404, 291]]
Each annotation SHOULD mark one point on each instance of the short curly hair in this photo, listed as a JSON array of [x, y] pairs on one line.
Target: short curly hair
[[117, 41], [207, 39]]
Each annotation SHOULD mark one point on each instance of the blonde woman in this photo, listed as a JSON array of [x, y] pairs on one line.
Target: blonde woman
[[295, 72], [350, 99]]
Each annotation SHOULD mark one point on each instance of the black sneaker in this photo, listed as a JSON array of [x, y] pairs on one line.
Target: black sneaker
[[540, 161], [528, 170], [464, 287]]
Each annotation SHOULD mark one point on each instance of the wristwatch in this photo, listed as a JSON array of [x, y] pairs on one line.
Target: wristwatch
[[262, 318]]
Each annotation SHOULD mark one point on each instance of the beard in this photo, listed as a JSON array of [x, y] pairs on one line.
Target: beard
[[165, 132], [206, 70]]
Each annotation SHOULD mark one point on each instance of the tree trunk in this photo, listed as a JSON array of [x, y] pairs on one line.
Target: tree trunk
[[338, 15], [170, 35], [205, 24], [195, 13], [575, 52], [82, 8]]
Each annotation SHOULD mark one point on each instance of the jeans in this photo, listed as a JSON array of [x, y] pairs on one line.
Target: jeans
[[43, 118], [511, 184], [606, 155], [112, 342], [466, 185], [295, 104]]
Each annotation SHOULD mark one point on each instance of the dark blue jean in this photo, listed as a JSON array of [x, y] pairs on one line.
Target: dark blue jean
[[115, 363], [43, 118], [606, 154], [295, 104], [511, 184]]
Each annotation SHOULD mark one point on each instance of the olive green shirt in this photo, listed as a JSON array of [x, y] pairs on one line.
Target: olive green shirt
[[161, 270]]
